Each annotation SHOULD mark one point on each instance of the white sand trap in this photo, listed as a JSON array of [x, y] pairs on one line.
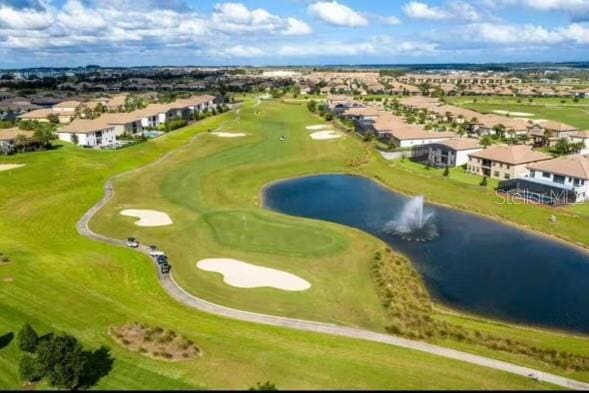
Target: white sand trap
[[317, 127], [325, 135], [516, 114], [148, 218], [244, 275], [229, 134], [7, 167]]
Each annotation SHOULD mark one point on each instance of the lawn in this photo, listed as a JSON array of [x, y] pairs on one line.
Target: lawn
[[575, 114], [59, 281], [211, 189]]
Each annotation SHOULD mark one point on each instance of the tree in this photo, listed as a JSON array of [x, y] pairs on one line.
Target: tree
[[75, 139], [266, 386], [312, 105], [44, 136], [486, 141], [29, 369], [21, 142], [62, 360], [28, 339], [446, 171], [562, 147], [484, 182], [53, 118]]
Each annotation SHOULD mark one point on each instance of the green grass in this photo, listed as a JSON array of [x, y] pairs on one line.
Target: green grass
[[212, 189], [458, 174], [59, 281], [575, 114]]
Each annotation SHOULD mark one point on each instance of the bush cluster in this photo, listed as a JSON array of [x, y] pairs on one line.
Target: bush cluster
[[410, 311]]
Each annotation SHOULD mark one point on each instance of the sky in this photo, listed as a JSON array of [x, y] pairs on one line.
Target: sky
[[290, 32]]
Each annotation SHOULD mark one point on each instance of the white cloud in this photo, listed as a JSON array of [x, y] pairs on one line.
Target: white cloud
[[391, 20], [337, 14], [296, 27], [376, 46], [24, 19], [238, 51], [418, 10], [529, 34], [454, 10]]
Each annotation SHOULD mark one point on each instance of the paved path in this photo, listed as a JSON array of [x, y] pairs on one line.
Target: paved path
[[175, 291]]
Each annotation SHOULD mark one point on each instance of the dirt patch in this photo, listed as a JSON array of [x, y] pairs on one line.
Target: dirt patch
[[8, 279], [155, 342], [325, 135]]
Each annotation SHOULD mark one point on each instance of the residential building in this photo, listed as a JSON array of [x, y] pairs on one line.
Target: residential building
[[451, 152], [548, 133], [581, 137], [568, 173], [504, 162], [88, 133], [8, 139]]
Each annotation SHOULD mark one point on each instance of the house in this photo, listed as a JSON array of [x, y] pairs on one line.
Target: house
[[153, 115], [116, 103], [8, 139], [504, 162], [410, 136], [451, 152], [65, 112], [123, 123], [569, 174], [548, 133], [89, 133], [40, 115], [581, 137]]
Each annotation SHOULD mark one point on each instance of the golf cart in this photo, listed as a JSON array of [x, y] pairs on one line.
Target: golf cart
[[154, 252], [132, 242]]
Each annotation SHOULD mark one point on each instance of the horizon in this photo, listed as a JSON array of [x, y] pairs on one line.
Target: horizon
[[263, 33]]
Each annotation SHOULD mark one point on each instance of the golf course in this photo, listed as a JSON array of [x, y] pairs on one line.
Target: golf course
[[197, 193]]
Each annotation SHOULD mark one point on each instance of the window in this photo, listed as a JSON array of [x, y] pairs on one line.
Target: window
[[532, 173], [506, 176], [558, 179], [578, 182], [496, 173], [546, 175]]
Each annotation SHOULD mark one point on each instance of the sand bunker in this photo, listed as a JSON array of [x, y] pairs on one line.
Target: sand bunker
[[148, 218], [229, 134], [516, 114], [244, 275], [325, 135], [317, 127], [7, 167]]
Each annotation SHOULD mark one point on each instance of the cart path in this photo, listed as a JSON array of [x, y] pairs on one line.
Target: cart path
[[177, 292]]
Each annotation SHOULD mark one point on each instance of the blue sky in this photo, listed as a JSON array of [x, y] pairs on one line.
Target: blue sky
[[284, 32]]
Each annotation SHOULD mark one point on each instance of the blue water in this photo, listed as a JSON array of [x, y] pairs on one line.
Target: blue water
[[475, 265]]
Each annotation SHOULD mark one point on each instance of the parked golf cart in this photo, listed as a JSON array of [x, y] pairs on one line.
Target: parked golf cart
[[154, 252], [132, 242]]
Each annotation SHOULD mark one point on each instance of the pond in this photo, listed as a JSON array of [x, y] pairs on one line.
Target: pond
[[473, 264]]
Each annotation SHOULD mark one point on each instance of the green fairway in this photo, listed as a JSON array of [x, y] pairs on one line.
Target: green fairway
[[211, 190], [59, 281], [575, 114]]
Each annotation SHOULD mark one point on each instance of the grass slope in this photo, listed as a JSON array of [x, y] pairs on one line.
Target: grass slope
[[60, 281]]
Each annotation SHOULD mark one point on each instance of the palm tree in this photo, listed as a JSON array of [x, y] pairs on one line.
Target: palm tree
[[21, 142], [44, 136], [546, 137], [486, 141]]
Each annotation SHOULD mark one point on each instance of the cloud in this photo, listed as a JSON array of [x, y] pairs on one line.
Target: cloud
[[418, 10], [376, 46], [238, 51], [337, 14], [296, 27], [28, 18], [528, 34], [391, 20], [454, 10]]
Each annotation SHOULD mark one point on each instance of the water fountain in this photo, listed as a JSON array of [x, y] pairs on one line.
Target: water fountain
[[414, 223]]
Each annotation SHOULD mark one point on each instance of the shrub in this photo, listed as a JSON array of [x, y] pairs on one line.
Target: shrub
[[30, 370], [28, 339]]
